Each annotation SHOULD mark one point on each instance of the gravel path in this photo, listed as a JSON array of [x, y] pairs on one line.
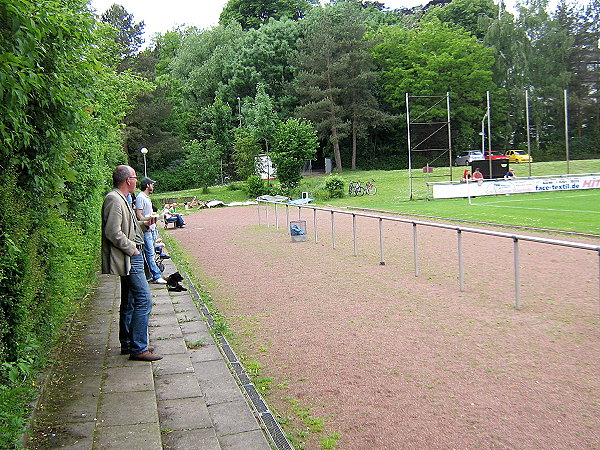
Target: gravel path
[[397, 361]]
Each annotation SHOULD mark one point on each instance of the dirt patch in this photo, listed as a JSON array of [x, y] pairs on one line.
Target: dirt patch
[[398, 361]]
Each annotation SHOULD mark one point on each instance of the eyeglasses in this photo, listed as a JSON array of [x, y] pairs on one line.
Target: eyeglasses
[[132, 177]]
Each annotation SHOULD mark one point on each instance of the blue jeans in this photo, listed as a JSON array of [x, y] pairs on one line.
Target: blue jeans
[[136, 304], [155, 272]]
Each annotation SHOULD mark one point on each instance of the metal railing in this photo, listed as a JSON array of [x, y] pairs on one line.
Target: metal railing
[[415, 223]]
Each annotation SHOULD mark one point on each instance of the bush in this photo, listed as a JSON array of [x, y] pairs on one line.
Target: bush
[[235, 186], [335, 186], [255, 186]]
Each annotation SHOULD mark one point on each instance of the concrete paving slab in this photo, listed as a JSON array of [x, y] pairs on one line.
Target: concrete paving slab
[[128, 379], [217, 383], [77, 401], [178, 385], [232, 418], [197, 326], [163, 321], [115, 359], [184, 302], [137, 437], [164, 332], [193, 340], [170, 364], [127, 408], [188, 316], [73, 436], [184, 414], [208, 353], [163, 308], [249, 440], [169, 346], [204, 439]]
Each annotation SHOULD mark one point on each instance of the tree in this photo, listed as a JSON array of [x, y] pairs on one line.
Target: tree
[[253, 13], [129, 34], [202, 164], [466, 14], [548, 46], [245, 152], [260, 117], [264, 58], [332, 62], [295, 142], [432, 60]]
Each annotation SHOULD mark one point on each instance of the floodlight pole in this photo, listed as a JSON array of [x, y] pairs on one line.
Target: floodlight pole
[[449, 134], [528, 130], [567, 129], [489, 127], [409, 148]]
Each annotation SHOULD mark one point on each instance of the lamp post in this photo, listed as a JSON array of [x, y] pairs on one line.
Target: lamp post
[[144, 150], [240, 109]]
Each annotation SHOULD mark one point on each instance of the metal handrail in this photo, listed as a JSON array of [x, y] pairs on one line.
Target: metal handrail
[[459, 229]]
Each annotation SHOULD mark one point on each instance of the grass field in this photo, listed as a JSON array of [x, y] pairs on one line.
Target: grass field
[[570, 211]]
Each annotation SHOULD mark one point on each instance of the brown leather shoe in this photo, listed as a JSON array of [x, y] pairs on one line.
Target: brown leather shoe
[[145, 356]]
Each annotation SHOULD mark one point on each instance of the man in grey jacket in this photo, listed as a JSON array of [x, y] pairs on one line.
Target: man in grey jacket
[[122, 247]]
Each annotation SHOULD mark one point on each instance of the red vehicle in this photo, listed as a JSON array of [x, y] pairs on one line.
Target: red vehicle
[[496, 155]]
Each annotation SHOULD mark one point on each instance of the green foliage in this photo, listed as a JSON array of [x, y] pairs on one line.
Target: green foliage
[[235, 186], [60, 127], [335, 186], [294, 143], [432, 60], [129, 34], [253, 13], [202, 165], [466, 14], [255, 186], [245, 151]]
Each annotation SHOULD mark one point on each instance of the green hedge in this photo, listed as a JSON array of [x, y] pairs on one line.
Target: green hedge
[[59, 125]]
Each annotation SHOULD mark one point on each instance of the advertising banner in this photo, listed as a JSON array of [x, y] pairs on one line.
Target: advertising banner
[[515, 186]]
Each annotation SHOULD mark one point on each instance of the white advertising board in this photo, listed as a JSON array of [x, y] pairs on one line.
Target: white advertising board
[[519, 185], [265, 168]]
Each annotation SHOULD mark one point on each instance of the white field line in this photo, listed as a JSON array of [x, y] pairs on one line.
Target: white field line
[[493, 204], [541, 209], [532, 198]]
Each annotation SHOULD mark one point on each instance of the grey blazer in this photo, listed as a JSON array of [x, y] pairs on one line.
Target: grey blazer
[[118, 233]]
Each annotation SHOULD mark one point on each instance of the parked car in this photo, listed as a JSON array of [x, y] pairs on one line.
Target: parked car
[[467, 157], [518, 156], [496, 155]]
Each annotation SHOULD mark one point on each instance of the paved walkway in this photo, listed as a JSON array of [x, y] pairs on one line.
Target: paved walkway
[[99, 399]]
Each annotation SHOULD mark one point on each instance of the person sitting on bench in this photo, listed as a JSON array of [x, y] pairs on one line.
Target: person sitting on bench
[[171, 216]]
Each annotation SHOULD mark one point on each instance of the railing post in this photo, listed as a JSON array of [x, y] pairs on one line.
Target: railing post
[[268, 223], [354, 233], [382, 257], [415, 250], [517, 274], [299, 211], [258, 208], [461, 270], [287, 217], [276, 218], [315, 224], [332, 231]]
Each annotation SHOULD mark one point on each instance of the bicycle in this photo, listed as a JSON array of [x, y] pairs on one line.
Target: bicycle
[[356, 189], [370, 188]]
